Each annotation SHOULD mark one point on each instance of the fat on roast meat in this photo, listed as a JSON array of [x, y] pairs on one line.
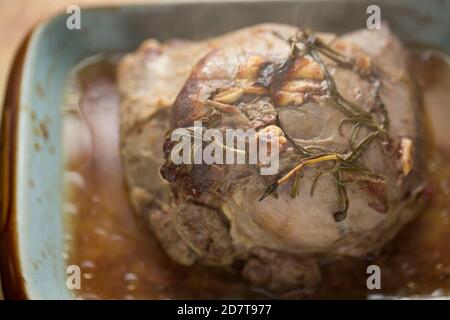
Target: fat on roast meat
[[347, 113]]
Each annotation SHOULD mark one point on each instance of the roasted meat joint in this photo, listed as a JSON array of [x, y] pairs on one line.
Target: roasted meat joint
[[342, 119]]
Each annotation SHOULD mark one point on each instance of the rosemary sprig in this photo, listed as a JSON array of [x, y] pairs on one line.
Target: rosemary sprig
[[355, 114], [296, 171], [195, 135]]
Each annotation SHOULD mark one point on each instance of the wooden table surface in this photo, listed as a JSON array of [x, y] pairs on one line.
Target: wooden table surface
[[17, 17]]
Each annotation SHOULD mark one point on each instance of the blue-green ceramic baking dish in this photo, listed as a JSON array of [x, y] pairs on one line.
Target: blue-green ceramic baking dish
[[31, 178]]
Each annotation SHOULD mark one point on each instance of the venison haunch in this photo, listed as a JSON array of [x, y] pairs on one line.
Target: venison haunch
[[347, 118]]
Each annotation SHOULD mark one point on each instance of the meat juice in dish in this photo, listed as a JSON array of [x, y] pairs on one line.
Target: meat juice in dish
[[121, 259]]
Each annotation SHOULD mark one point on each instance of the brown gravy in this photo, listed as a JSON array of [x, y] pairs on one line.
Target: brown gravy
[[120, 259]]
